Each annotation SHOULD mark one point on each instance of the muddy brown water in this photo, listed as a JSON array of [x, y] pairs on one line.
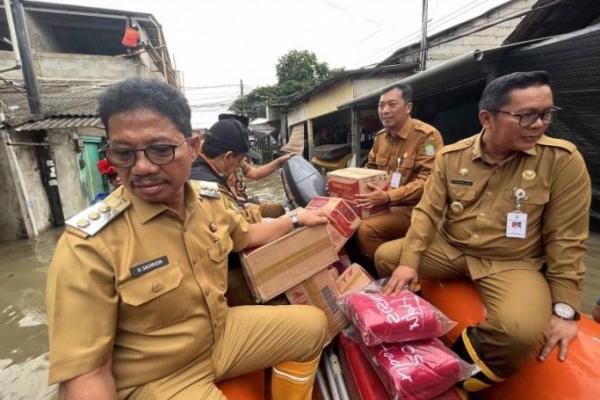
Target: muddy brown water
[[23, 324]]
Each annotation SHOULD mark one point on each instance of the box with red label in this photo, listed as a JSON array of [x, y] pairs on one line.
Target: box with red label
[[320, 290], [278, 266], [348, 182], [343, 221]]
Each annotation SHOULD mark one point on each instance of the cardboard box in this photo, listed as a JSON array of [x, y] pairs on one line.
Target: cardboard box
[[348, 182], [284, 263], [353, 279], [343, 220], [320, 290]]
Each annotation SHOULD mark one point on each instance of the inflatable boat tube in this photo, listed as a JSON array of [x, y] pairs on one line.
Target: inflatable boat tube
[[578, 377]]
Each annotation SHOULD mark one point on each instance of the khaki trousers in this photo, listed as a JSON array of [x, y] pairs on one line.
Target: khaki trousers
[[374, 231], [255, 337], [518, 303]]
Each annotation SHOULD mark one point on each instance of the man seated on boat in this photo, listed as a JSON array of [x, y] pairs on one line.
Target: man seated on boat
[[508, 209], [405, 148], [135, 289], [225, 145]]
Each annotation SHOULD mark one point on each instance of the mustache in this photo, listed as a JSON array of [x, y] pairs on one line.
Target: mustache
[[146, 180]]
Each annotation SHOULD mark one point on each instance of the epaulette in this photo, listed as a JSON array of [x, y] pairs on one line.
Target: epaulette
[[555, 142], [91, 220], [457, 146], [423, 127], [206, 189]]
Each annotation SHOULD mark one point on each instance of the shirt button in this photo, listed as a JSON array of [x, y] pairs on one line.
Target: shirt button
[[475, 236], [156, 287], [482, 214], [489, 193]]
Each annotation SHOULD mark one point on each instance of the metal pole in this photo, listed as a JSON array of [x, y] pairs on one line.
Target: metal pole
[[423, 55], [33, 94], [242, 97], [13, 35]]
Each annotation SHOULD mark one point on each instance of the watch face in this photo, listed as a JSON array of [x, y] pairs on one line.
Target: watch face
[[564, 311]]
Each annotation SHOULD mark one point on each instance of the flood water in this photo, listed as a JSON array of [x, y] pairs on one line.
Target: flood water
[[23, 324]]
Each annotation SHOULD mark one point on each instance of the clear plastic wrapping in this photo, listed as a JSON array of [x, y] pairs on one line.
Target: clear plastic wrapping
[[394, 318], [420, 370]]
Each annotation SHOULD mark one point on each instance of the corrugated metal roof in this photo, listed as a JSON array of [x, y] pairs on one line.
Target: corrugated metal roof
[[60, 123], [59, 99]]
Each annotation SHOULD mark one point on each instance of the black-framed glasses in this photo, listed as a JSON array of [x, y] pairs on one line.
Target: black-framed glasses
[[528, 119], [159, 154]]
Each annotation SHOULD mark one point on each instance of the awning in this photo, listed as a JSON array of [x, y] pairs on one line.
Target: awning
[[444, 77], [60, 123]]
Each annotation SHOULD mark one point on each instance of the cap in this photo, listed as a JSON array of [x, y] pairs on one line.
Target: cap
[[105, 168], [242, 118], [230, 135]]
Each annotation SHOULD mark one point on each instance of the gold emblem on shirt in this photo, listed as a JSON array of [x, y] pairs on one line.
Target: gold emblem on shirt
[[82, 223], [463, 171], [94, 215], [528, 175], [456, 207]]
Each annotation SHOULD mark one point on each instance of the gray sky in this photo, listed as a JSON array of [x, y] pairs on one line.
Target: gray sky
[[219, 42]]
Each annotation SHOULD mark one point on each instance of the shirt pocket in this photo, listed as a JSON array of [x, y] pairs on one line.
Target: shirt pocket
[[154, 300], [382, 161], [532, 205], [220, 248]]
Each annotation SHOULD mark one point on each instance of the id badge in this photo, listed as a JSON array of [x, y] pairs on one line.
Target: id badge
[[396, 178], [516, 225]]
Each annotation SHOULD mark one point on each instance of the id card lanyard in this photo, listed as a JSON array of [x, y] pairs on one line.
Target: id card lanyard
[[516, 221], [397, 175]]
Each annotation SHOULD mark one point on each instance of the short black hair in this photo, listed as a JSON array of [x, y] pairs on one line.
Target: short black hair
[[211, 151], [405, 88], [136, 94], [495, 94]]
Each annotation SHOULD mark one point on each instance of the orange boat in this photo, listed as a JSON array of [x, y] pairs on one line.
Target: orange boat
[[578, 377]]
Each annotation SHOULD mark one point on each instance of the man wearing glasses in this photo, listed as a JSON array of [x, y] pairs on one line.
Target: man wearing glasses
[[508, 209], [135, 293]]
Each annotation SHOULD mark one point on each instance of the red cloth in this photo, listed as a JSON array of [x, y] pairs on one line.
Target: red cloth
[[417, 370], [105, 167], [399, 317]]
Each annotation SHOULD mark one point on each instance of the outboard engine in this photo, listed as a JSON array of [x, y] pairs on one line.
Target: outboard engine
[[301, 181]]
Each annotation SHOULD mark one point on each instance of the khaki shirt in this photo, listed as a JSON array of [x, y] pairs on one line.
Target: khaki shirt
[[417, 143], [555, 179], [147, 289]]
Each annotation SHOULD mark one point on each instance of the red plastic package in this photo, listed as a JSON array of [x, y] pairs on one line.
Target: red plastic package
[[400, 317], [418, 370]]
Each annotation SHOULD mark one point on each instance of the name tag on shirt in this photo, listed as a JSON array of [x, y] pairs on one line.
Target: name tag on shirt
[[396, 179], [516, 225]]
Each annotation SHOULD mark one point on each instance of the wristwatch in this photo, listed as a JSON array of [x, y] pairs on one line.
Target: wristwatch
[[294, 217], [565, 311]]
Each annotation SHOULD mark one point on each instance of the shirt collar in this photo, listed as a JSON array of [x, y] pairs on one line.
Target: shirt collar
[[145, 210], [478, 154], [403, 132]]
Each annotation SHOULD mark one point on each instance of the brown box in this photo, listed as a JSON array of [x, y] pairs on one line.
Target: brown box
[[343, 221], [320, 290], [278, 266], [353, 279], [348, 182]]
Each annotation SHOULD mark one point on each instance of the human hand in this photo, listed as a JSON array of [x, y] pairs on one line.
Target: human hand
[[311, 217], [559, 332], [374, 198], [281, 160], [403, 277]]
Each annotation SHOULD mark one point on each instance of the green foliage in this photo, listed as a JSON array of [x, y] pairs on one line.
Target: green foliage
[[297, 71]]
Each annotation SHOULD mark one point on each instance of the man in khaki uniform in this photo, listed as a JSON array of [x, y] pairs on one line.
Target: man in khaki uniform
[[507, 208], [135, 294], [405, 149]]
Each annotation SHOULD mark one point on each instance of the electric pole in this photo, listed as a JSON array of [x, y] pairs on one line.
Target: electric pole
[[423, 54], [242, 97]]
